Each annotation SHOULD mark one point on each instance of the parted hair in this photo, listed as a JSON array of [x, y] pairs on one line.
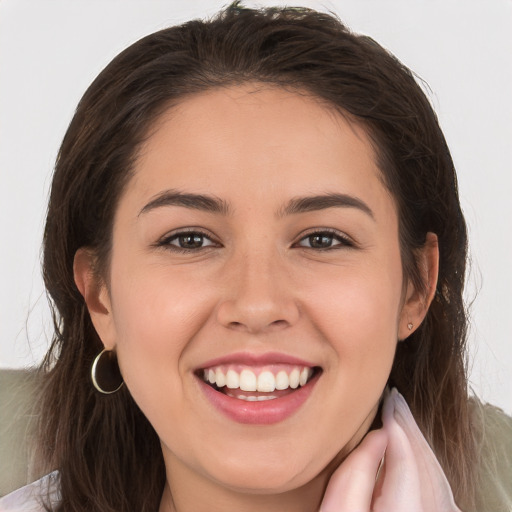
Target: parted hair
[[107, 452]]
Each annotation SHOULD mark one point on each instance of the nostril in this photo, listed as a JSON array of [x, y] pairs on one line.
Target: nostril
[[255, 314], [236, 326], [255, 327], [279, 323]]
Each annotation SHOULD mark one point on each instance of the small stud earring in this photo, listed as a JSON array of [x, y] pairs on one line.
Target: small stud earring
[[409, 326]]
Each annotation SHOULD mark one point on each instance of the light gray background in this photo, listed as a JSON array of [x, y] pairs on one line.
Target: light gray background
[[51, 50]]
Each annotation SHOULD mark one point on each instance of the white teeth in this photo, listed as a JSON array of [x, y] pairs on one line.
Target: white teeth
[[253, 398], [303, 377], [232, 379], [282, 380], [266, 382], [248, 381], [294, 378], [220, 378], [256, 398]]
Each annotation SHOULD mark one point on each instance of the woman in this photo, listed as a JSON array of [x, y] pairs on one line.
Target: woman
[[253, 234]]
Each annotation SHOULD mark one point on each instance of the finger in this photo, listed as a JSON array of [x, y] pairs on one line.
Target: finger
[[351, 486]]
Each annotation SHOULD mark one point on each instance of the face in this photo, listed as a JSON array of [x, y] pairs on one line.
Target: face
[[255, 246]]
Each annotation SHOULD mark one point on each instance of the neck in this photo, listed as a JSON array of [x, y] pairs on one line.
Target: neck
[[192, 493]]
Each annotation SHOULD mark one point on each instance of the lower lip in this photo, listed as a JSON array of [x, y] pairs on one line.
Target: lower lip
[[265, 412]]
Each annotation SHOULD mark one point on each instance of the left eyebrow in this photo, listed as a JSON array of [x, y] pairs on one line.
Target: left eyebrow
[[322, 202]]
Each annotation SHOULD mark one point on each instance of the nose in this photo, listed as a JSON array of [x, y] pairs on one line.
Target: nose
[[258, 295]]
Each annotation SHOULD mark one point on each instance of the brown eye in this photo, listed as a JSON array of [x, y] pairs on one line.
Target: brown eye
[[324, 240], [320, 241], [190, 241], [187, 241]]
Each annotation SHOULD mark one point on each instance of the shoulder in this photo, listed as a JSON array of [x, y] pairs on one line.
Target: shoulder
[[492, 430], [33, 497]]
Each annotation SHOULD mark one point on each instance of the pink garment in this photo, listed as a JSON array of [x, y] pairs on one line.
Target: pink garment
[[30, 498], [392, 470]]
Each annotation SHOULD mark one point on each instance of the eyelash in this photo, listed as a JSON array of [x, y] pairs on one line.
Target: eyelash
[[166, 241], [343, 240]]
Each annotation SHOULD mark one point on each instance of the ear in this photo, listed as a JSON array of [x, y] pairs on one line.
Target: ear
[[96, 296], [417, 302]]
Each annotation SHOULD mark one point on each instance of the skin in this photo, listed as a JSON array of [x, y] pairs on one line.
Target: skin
[[256, 286]]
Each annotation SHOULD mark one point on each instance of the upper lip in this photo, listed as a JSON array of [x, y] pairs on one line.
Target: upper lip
[[249, 359]]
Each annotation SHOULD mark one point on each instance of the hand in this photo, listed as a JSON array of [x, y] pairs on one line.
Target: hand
[[392, 470]]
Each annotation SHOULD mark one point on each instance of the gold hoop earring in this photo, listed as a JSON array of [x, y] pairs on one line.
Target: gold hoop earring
[[105, 374]]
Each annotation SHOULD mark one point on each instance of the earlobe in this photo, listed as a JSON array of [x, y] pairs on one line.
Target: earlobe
[[418, 301], [96, 296]]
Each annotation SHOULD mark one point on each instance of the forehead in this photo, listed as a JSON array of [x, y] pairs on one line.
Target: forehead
[[258, 138], [259, 112]]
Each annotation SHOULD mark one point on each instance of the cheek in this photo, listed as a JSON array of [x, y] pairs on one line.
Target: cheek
[[358, 308], [155, 320], [154, 309], [357, 315]]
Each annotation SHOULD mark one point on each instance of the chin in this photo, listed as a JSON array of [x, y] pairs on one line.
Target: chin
[[265, 478]]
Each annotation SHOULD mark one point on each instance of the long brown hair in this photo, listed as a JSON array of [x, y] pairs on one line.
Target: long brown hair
[[108, 454]]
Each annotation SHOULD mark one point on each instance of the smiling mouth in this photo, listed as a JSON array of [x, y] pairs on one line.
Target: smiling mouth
[[257, 384]]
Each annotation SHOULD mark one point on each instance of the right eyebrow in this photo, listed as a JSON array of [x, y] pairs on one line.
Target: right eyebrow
[[207, 203]]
